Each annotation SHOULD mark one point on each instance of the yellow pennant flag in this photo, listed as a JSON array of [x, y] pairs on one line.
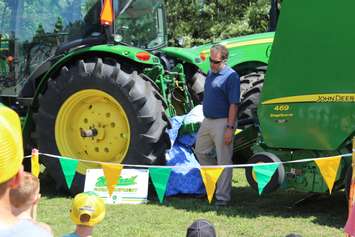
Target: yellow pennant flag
[[210, 177], [112, 174], [329, 168], [35, 162]]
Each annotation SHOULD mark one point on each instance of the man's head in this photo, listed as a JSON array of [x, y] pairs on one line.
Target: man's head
[[201, 228], [27, 193], [87, 209], [11, 150], [218, 57]]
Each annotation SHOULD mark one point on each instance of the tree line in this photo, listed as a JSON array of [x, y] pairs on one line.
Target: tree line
[[202, 21], [196, 21]]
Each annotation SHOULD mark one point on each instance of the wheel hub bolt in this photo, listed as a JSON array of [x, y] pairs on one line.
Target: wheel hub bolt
[[88, 133]]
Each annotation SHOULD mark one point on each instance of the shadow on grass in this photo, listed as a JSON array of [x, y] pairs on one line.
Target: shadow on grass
[[327, 210]]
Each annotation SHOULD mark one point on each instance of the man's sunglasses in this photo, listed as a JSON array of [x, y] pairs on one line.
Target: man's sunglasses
[[214, 61]]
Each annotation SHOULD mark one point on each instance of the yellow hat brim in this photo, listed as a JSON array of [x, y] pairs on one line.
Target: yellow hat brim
[[11, 146], [83, 200]]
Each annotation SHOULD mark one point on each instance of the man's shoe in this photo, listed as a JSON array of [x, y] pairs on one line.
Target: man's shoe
[[221, 203]]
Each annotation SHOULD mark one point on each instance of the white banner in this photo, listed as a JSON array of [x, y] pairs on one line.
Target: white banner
[[131, 189]]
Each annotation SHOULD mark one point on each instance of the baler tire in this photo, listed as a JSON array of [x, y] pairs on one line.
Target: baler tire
[[276, 180]]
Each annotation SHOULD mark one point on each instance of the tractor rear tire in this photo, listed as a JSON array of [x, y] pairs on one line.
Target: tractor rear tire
[[251, 86], [97, 94], [276, 180], [248, 80]]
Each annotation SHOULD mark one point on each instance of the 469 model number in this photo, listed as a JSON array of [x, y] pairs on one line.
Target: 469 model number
[[282, 107]]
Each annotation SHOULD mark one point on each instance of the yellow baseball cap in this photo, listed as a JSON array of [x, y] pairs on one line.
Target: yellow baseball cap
[[11, 148], [89, 204]]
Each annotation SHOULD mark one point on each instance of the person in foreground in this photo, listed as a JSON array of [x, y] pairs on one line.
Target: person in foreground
[[350, 224], [24, 199], [87, 211], [11, 175], [201, 228]]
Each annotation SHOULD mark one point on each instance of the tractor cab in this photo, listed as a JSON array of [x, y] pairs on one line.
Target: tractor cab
[[140, 23], [31, 32]]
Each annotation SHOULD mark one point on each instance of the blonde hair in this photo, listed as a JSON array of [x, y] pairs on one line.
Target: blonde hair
[[24, 194]]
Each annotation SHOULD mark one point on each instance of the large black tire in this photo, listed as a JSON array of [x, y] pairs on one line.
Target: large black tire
[[250, 89], [276, 180], [249, 104], [139, 100], [251, 85], [250, 78]]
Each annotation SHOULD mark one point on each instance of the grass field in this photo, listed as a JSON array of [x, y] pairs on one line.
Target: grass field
[[269, 215]]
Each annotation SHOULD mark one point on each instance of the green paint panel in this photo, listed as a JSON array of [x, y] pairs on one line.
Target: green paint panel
[[119, 50], [256, 48], [312, 54], [124, 51]]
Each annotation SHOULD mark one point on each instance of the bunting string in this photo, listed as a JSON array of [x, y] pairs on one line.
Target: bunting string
[[202, 166], [328, 167]]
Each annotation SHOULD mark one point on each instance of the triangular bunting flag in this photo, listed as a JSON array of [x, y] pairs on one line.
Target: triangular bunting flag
[[263, 174], [160, 178], [112, 174], [35, 163], [329, 168], [69, 168], [210, 177]]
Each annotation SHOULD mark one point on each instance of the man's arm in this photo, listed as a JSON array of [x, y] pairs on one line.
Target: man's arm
[[232, 116], [233, 98]]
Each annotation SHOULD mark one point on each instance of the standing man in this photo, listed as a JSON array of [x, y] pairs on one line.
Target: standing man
[[11, 173], [215, 136]]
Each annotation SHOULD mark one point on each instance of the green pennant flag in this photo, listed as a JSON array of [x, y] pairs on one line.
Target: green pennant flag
[[69, 168], [160, 178], [263, 174]]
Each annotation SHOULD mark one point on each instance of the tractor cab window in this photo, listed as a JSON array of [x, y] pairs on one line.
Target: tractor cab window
[[31, 31], [140, 23]]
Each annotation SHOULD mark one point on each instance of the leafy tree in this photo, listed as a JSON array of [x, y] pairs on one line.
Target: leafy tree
[[202, 21]]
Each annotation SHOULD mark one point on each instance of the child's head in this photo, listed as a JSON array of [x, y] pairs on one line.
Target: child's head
[[87, 209], [201, 228], [26, 194]]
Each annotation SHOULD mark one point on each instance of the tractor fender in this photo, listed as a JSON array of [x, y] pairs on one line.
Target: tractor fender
[[38, 79], [113, 51]]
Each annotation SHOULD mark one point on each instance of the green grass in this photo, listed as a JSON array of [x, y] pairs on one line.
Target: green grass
[[250, 215]]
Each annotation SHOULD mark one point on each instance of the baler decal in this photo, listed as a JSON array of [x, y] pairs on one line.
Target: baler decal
[[317, 98]]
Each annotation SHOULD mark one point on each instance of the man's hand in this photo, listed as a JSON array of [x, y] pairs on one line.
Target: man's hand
[[228, 136]]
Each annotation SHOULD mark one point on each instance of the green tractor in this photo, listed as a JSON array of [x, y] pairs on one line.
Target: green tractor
[[94, 80], [5, 61], [307, 105]]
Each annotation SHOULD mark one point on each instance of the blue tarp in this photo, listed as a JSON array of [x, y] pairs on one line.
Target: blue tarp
[[184, 179]]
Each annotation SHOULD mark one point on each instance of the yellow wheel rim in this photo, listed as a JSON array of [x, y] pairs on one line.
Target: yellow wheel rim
[[91, 125]]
